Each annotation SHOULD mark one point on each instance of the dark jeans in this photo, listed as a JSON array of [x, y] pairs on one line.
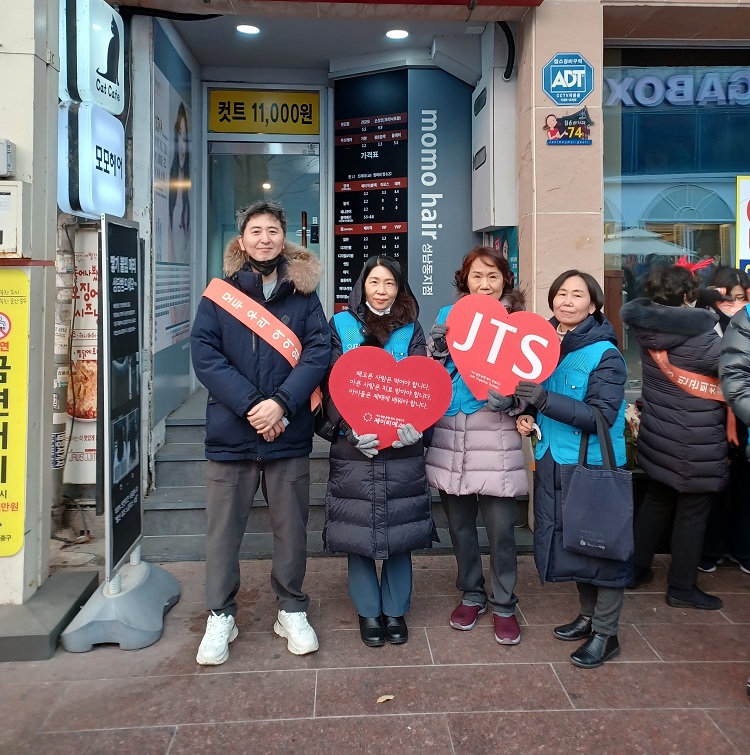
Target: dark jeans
[[690, 515], [499, 517], [728, 528], [230, 488]]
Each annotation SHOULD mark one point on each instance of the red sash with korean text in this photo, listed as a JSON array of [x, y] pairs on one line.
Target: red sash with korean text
[[701, 386], [261, 322]]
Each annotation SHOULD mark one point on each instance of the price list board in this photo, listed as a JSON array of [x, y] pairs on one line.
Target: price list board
[[370, 168]]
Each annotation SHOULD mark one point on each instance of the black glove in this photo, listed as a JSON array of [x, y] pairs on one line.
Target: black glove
[[438, 333], [496, 402], [747, 452], [710, 297], [532, 393]]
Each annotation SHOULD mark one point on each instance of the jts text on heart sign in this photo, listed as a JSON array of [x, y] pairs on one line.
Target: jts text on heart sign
[[494, 349], [377, 394]]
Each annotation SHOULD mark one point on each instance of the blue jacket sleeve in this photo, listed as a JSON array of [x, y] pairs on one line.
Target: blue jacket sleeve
[[606, 391], [311, 368], [223, 380]]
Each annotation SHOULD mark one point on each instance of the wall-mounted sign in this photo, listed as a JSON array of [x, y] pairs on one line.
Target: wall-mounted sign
[[569, 129], [263, 111], [681, 87], [14, 400], [568, 78], [91, 161], [92, 57]]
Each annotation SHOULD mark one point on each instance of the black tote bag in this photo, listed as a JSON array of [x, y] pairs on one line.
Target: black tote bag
[[597, 502]]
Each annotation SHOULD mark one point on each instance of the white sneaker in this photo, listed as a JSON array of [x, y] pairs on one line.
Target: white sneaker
[[300, 636], [214, 647]]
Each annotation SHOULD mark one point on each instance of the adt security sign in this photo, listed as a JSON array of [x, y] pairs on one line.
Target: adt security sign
[[568, 78]]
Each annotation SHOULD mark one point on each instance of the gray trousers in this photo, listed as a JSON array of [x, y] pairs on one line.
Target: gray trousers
[[603, 604], [230, 488], [499, 517]]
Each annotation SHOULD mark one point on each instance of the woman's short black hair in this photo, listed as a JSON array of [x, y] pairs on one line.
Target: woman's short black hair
[[729, 277], [387, 262], [595, 290], [672, 285]]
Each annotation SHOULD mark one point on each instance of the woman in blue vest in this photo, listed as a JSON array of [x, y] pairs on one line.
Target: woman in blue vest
[[591, 373], [378, 503]]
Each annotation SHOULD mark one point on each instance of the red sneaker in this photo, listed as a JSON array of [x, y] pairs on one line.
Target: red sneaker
[[507, 631], [465, 617]]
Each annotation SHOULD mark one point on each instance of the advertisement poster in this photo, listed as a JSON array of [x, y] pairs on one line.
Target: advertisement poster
[[743, 223], [14, 394], [505, 241], [120, 424], [174, 198], [80, 464]]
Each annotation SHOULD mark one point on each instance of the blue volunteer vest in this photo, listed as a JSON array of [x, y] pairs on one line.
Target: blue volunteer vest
[[349, 329], [571, 378]]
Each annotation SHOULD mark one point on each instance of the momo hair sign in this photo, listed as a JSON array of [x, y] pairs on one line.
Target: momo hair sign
[[92, 57]]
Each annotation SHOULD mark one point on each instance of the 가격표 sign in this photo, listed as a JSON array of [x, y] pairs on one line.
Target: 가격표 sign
[[494, 349], [376, 394]]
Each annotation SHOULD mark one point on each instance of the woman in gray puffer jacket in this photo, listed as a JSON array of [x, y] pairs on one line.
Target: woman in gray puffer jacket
[[682, 445], [378, 504], [477, 463]]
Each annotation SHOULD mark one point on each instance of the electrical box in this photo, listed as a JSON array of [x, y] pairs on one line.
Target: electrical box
[[15, 219], [7, 158]]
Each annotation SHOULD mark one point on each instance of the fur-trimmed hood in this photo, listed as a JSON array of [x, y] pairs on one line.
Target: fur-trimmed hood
[[681, 321], [300, 267]]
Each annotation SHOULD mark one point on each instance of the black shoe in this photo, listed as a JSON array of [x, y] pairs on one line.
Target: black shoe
[[694, 598], [641, 576], [576, 630], [395, 630], [596, 650], [372, 631]]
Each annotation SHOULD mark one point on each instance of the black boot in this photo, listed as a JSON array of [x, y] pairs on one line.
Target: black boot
[[596, 650], [694, 598], [576, 630], [372, 631], [396, 631]]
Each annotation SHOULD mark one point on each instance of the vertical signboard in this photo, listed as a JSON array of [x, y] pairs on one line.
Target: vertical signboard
[[120, 388], [370, 169], [439, 186], [14, 394], [743, 223]]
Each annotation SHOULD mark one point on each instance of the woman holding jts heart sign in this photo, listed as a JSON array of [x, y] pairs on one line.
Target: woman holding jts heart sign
[[378, 501], [476, 462], [590, 376]]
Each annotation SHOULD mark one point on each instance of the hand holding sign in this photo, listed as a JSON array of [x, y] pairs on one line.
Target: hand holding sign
[[495, 350], [377, 395]]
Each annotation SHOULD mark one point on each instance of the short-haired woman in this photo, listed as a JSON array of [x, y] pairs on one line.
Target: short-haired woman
[[591, 373], [682, 445]]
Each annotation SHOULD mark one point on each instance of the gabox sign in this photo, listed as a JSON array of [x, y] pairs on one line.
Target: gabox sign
[[494, 349], [92, 58]]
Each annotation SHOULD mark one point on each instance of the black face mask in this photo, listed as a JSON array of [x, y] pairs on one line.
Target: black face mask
[[265, 268]]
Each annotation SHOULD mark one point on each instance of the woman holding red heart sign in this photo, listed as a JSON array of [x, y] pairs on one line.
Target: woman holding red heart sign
[[477, 464], [591, 373], [378, 503]]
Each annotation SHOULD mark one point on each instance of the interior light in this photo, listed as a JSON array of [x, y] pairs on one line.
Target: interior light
[[247, 29], [266, 186], [397, 34]]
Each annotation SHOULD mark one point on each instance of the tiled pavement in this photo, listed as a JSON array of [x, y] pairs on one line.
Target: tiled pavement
[[677, 687]]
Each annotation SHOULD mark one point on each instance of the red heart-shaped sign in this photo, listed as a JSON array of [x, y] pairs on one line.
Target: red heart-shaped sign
[[494, 349], [377, 394]]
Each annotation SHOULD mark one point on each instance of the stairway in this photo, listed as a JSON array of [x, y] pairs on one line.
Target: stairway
[[174, 516]]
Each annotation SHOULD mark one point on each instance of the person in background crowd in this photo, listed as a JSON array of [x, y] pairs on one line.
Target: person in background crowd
[[728, 527], [682, 444], [591, 373], [378, 502], [259, 421], [476, 462], [734, 371]]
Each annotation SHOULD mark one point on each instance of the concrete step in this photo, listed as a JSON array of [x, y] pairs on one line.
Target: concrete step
[[260, 545]]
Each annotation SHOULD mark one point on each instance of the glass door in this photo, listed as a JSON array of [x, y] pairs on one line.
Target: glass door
[[240, 173]]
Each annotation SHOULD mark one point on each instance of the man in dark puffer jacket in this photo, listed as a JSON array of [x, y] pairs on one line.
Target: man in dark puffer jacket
[[734, 371], [682, 444]]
